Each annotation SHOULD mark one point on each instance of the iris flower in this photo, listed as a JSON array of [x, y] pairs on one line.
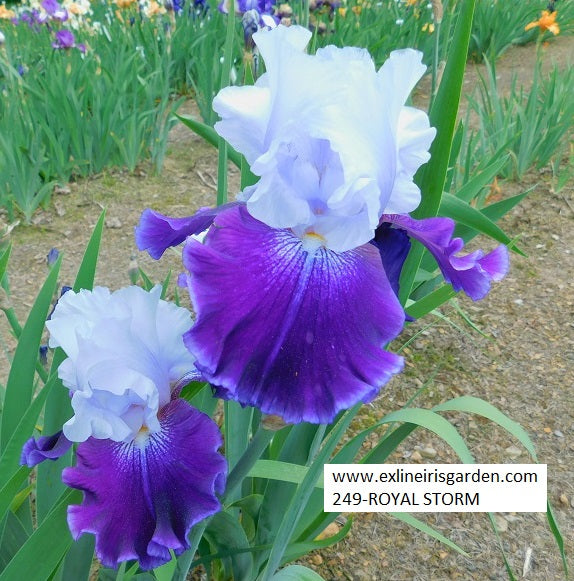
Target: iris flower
[[65, 39], [147, 461], [547, 21], [264, 8], [295, 285]]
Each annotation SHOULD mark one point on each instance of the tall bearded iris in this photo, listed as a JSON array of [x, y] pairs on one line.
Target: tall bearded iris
[[147, 461], [295, 287]]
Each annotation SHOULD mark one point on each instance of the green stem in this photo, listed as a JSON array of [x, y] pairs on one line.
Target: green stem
[[435, 63], [258, 443]]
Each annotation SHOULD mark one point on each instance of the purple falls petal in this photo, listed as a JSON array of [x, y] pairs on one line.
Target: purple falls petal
[[295, 334], [156, 232], [36, 450], [472, 272], [142, 498]]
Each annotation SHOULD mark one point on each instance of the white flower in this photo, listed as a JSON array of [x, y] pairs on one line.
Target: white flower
[[330, 137], [125, 351]]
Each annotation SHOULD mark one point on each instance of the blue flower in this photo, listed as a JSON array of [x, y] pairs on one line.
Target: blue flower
[[296, 288], [147, 461]]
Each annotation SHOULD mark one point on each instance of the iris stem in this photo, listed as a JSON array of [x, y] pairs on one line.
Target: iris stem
[[253, 452], [435, 63]]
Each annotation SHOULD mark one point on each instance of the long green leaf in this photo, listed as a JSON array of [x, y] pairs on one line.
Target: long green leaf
[[38, 558], [58, 409], [431, 177], [460, 211], [297, 573], [10, 459], [297, 550], [414, 522], [304, 491], [237, 435], [435, 423], [557, 535], [4, 259], [430, 302], [210, 135], [10, 489], [472, 188], [276, 470], [475, 405], [225, 532], [20, 385], [494, 212]]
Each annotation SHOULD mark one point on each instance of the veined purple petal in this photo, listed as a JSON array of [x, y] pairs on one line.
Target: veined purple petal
[[472, 272], [36, 450], [142, 498], [296, 334], [156, 232]]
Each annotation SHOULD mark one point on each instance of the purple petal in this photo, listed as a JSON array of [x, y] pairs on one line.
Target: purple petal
[[52, 447], [64, 39], [142, 498], [298, 335], [471, 273], [394, 246], [156, 232]]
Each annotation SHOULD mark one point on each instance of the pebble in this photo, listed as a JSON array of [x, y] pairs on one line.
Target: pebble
[[558, 434], [62, 190], [428, 452], [114, 222], [416, 456], [513, 451], [564, 500], [501, 523], [518, 302], [316, 559], [555, 237]]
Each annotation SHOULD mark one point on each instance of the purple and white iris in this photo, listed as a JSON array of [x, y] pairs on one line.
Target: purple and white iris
[[295, 287], [147, 461]]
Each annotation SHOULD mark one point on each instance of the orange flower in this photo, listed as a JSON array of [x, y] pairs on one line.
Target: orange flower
[[546, 22], [6, 13]]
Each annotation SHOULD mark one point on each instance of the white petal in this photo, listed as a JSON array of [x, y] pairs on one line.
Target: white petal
[[245, 114], [332, 140], [126, 351]]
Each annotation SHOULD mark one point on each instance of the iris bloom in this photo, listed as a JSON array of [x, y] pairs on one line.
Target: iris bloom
[[147, 461], [264, 8], [65, 39], [6, 13], [547, 21], [295, 286]]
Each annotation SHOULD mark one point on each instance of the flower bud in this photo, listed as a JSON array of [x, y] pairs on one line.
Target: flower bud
[[437, 10]]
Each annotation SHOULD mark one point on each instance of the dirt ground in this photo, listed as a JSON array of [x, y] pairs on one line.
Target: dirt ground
[[524, 366]]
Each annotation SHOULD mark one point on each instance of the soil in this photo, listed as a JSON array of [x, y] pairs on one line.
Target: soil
[[524, 364]]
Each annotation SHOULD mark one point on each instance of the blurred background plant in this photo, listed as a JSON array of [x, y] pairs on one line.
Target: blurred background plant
[[88, 86]]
